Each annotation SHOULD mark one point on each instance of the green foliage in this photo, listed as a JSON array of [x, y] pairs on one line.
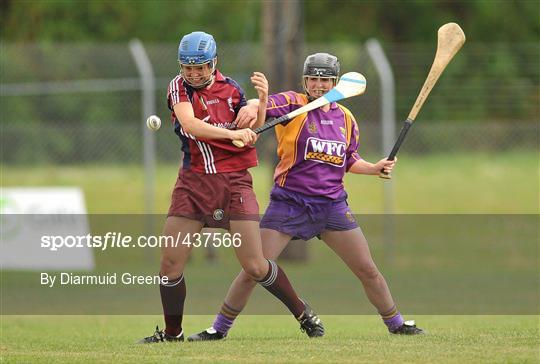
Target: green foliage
[[239, 20], [497, 72], [161, 20]]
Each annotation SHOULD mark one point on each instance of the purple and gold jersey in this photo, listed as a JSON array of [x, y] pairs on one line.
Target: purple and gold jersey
[[315, 149]]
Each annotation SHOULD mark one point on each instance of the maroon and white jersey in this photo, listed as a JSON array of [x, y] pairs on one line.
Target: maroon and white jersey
[[217, 105]]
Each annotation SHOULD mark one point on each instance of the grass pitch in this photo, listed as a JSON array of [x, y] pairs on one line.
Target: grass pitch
[[424, 277], [478, 183], [276, 339]]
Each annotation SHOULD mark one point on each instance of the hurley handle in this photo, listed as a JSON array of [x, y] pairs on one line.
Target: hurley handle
[[269, 125], [406, 126]]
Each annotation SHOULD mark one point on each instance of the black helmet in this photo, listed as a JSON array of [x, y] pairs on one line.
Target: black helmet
[[321, 65]]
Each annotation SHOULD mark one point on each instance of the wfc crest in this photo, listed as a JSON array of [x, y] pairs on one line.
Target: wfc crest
[[325, 151]]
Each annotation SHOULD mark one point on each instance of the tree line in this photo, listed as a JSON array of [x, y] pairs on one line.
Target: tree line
[[240, 20]]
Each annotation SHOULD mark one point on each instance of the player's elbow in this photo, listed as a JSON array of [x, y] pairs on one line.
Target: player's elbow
[[187, 125]]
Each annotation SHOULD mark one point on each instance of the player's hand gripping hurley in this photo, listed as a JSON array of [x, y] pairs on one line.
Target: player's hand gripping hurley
[[350, 84], [450, 40]]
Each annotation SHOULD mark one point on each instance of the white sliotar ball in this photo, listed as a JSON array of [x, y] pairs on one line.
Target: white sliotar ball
[[153, 122]]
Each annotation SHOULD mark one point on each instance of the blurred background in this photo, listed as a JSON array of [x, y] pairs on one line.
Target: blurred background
[[73, 96], [78, 80]]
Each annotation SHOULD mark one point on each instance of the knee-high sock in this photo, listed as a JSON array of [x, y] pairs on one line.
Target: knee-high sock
[[225, 319], [173, 295], [277, 283], [392, 318]]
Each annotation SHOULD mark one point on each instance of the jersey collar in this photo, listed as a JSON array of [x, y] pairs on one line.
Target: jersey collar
[[218, 76]]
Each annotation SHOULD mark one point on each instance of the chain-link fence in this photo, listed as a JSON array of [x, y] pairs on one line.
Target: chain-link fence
[[81, 103]]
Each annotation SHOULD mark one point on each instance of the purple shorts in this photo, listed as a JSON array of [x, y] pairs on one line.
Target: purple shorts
[[304, 217]]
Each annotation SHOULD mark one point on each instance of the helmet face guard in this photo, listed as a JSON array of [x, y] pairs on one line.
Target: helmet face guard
[[206, 79], [196, 49], [320, 65]]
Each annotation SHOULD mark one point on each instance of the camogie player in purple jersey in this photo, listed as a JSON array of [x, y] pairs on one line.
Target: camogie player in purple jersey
[[308, 198]]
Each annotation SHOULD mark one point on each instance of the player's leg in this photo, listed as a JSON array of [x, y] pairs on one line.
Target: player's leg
[[244, 211], [241, 289], [275, 281], [266, 272], [173, 292], [352, 247], [273, 244]]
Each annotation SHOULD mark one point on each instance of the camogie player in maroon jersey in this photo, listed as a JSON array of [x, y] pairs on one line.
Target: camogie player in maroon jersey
[[308, 199], [214, 188]]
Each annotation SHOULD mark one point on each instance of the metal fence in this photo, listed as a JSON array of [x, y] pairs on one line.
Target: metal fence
[[81, 103]]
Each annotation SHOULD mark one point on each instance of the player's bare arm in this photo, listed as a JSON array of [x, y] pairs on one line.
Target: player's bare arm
[[250, 116], [261, 85], [200, 129], [364, 167]]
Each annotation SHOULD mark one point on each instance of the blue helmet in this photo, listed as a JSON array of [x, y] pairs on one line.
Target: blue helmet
[[197, 48]]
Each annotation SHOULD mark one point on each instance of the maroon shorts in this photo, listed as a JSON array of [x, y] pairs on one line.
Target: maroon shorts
[[214, 199]]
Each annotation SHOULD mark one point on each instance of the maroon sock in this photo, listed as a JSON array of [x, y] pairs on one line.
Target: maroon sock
[[277, 283], [173, 294]]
